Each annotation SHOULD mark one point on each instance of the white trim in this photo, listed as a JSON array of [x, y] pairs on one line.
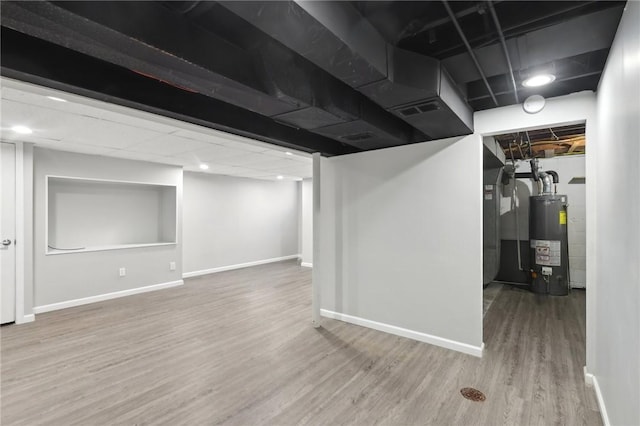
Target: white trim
[[21, 246], [411, 334], [306, 264], [26, 318], [237, 266], [106, 296], [56, 252], [591, 380], [588, 377]]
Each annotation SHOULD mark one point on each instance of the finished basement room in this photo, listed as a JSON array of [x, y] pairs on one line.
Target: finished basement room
[[327, 212]]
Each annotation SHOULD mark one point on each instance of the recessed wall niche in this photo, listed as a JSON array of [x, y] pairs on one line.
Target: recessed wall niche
[[90, 215]]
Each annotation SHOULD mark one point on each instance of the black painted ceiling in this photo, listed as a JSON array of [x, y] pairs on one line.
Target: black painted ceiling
[[329, 77]]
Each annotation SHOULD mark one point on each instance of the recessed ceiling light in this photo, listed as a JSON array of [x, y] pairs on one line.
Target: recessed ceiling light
[[538, 80], [288, 153], [280, 177], [23, 130], [54, 98], [204, 167]]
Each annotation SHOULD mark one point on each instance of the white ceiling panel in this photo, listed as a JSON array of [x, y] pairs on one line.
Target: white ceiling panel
[[97, 132], [215, 153], [168, 145], [275, 164], [94, 127], [153, 158], [71, 107]]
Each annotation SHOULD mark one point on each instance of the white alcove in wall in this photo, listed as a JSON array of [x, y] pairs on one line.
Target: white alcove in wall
[[89, 214]]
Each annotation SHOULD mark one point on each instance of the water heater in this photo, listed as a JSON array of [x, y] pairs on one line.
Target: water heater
[[549, 244]]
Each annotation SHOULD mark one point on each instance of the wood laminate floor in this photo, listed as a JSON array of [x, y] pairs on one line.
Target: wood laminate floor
[[237, 348]]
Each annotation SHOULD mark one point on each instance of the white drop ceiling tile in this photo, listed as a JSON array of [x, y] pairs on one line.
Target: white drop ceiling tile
[[246, 172], [72, 128], [128, 120], [74, 147], [276, 164], [78, 105], [107, 134], [168, 145], [138, 156], [214, 153], [43, 122], [226, 139], [83, 121], [248, 159], [206, 135], [249, 147], [213, 169], [295, 155]]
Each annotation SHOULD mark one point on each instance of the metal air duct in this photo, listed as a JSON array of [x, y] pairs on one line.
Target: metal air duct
[[335, 37]]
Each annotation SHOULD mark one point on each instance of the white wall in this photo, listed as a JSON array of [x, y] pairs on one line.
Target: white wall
[[616, 364], [306, 229], [65, 277], [230, 221], [567, 167], [395, 227]]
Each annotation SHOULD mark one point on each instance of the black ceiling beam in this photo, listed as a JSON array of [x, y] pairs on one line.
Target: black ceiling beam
[[150, 39], [40, 62], [162, 43]]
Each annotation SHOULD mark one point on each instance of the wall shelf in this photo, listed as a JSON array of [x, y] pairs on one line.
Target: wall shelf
[[86, 215]]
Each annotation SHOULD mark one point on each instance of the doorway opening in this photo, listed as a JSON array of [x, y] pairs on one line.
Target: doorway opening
[[523, 205], [534, 232]]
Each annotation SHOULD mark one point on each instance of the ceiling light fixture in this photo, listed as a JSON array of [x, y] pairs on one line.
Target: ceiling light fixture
[[53, 98], [23, 130], [204, 167], [280, 177], [539, 80], [288, 153]]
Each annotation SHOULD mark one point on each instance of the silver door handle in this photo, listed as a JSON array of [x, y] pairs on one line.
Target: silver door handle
[[6, 242]]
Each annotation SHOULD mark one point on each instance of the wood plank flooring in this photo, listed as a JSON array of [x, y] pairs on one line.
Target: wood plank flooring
[[237, 348]]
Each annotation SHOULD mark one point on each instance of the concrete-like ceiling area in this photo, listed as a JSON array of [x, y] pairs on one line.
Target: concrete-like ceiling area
[[329, 77]]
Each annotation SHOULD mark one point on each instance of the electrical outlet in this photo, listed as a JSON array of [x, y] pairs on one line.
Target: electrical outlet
[[123, 272], [172, 266]]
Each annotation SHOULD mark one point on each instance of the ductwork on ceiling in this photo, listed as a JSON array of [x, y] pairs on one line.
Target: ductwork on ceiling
[[302, 76], [335, 37]]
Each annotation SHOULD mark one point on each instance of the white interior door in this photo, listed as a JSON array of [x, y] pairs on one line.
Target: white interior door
[[8, 232]]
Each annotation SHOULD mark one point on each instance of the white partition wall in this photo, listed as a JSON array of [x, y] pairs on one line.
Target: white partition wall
[[401, 237], [231, 222], [616, 361], [306, 228], [72, 278]]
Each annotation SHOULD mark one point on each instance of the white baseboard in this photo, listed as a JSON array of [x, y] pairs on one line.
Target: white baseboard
[[238, 266], [411, 334], [306, 264], [591, 380], [25, 319], [102, 297], [588, 377]]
